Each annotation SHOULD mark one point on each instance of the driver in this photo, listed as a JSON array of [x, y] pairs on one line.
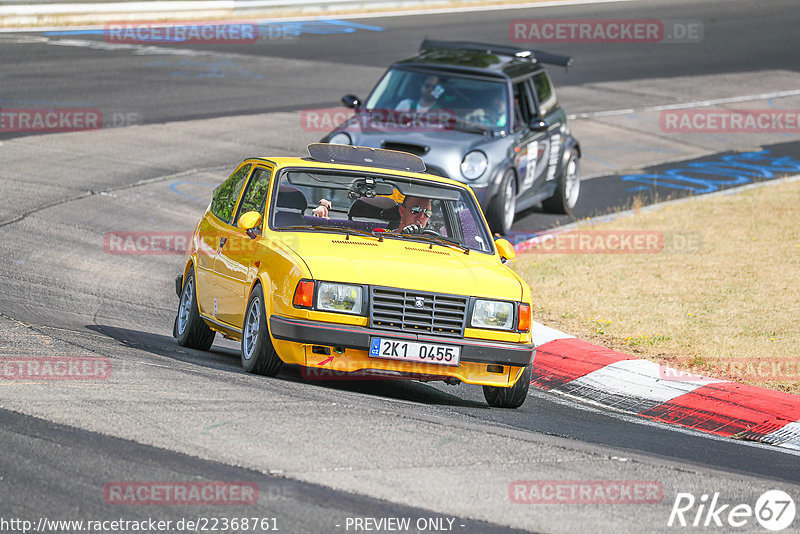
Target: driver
[[415, 212]]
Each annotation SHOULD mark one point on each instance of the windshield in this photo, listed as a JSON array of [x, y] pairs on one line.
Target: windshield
[[381, 205], [470, 102]]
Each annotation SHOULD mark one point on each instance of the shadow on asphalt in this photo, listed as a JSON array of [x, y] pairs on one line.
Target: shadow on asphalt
[[227, 360]]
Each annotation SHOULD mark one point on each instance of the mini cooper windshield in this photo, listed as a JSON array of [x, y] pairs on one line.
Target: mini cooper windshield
[[379, 206], [450, 101]]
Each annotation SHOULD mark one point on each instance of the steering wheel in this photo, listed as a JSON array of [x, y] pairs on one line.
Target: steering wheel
[[428, 231]]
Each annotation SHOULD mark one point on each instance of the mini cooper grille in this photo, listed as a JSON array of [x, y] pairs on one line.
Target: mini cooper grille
[[415, 311]]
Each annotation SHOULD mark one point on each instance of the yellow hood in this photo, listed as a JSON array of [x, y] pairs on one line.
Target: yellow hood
[[404, 264]]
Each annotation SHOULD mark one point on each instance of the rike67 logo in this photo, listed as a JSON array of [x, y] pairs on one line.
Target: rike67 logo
[[774, 510]]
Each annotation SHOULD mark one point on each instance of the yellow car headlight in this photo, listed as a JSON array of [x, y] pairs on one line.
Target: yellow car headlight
[[493, 314], [342, 298]]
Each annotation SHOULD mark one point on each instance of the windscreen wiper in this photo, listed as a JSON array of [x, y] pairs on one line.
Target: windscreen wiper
[[336, 229], [469, 127], [435, 239]]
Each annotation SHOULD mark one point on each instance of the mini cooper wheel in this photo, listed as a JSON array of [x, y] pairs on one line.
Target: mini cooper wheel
[[568, 189], [503, 207], [258, 354], [190, 330], [512, 397]]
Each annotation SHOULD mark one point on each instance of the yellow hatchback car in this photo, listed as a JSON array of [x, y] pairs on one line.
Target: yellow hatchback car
[[355, 262]]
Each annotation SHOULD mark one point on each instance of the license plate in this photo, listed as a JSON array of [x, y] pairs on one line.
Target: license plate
[[411, 351]]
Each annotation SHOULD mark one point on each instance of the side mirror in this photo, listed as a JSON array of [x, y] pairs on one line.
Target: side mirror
[[506, 249], [351, 101], [248, 221], [538, 125]]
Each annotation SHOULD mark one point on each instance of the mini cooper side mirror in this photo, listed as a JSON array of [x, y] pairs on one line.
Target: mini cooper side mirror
[[248, 221], [506, 249], [538, 125], [351, 101]]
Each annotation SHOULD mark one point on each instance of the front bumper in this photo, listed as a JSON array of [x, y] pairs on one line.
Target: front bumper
[[358, 337]]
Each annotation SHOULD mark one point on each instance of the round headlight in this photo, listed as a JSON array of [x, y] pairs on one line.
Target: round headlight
[[340, 138], [474, 164]]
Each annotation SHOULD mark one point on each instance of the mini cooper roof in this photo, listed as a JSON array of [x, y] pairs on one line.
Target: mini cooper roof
[[481, 58]]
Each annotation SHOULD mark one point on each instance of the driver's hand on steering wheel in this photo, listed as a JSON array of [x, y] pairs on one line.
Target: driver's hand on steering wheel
[[412, 229]]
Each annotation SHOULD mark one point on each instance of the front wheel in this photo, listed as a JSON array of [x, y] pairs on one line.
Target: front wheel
[[512, 397], [503, 207], [258, 354], [568, 189], [190, 330]]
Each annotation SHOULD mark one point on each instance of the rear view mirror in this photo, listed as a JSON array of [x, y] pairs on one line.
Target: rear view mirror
[[506, 249]]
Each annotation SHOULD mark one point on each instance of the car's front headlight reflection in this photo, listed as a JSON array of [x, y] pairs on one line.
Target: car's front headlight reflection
[[474, 164], [493, 314], [343, 298]]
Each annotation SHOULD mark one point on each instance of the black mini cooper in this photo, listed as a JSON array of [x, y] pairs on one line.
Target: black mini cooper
[[483, 114]]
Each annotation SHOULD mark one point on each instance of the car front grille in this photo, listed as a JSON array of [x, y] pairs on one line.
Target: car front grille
[[417, 311]]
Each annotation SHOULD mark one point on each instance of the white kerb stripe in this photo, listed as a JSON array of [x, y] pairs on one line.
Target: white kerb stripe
[[793, 430], [642, 379], [544, 334]]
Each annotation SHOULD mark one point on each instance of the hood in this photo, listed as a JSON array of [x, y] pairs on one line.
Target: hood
[[404, 263], [442, 148]]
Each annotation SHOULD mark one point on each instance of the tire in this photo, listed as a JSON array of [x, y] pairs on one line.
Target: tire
[[567, 190], [512, 397], [189, 329], [504, 205], [258, 354]]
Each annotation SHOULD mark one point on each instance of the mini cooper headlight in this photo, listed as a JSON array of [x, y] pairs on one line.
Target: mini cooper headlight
[[340, 138], [342, 298], [493, 314], [474, 164]]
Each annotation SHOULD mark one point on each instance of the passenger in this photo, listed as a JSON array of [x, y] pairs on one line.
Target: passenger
[[322, 209], [426, 99]]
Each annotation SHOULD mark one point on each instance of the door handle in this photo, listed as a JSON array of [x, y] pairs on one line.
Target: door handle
[[222, 241]]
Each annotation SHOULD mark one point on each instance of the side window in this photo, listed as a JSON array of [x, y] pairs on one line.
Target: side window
[[544, 93], [225, 196], [256, 192], [524, 110]]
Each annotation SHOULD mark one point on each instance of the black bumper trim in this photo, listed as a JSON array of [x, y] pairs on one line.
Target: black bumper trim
[[357, 337]]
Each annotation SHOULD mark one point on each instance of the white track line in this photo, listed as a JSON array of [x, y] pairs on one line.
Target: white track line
[[687, 105]]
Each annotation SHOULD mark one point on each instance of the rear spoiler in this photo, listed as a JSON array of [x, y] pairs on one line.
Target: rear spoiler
[[537, 56]]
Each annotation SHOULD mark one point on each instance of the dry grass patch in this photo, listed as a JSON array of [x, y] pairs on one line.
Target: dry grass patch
[[722, 299]]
